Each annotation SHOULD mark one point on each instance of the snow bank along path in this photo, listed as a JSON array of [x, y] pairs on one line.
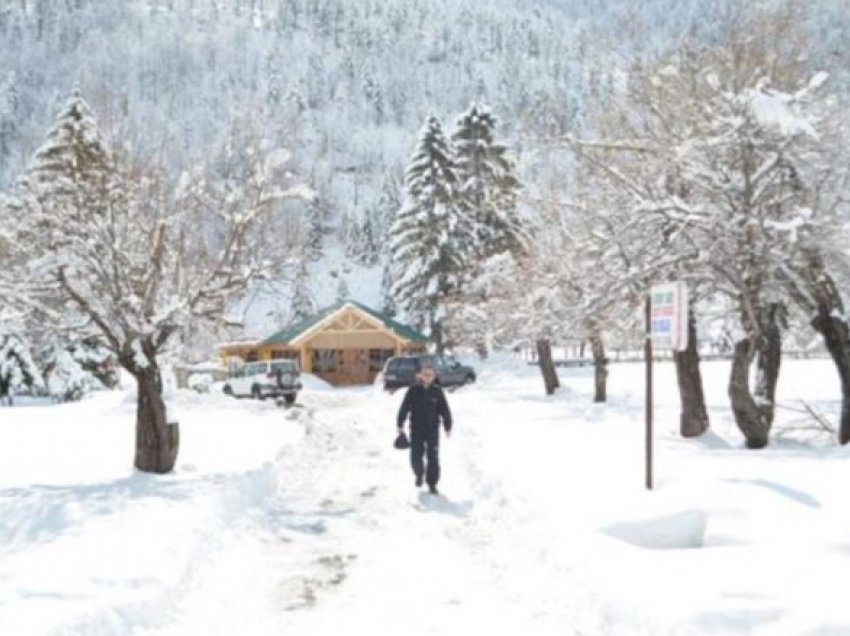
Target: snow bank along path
[[306, 521]]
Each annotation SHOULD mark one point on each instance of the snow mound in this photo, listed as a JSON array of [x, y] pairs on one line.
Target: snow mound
[[314, 382], [681, 530]]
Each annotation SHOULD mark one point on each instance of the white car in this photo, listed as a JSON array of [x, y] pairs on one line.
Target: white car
[[259, 380]]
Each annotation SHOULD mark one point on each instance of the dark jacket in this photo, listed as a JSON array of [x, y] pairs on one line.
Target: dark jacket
[[425, 406]]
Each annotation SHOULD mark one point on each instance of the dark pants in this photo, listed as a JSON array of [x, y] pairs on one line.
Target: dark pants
[[426, 442]]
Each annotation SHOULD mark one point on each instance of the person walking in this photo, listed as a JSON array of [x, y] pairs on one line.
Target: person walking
[[425, 404]]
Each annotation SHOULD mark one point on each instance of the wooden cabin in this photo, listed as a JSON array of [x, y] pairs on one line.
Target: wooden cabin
[[347, 343]]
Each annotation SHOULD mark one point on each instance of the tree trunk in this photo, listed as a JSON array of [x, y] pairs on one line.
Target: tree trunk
[[747, 414], [481, 349], [821, 297], [437, 336], [836, 337], [600, 364], [768, 361], [693, 420], [547, 366], [157, 442]]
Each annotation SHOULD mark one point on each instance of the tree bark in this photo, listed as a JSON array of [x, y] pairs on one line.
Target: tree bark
[[693, 420], [547, 366], [600, 373], [768, 361], [748, 416], [157, 442], [836, 337], [437, 335], [820, 297]]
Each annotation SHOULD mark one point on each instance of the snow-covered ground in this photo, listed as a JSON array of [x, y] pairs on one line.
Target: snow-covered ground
[[306, 521]]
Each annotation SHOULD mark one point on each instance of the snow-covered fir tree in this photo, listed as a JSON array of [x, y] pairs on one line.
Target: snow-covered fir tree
[[72, 178], [389, 203], [303, 301], [374, 96], [488, 191], [430, 240], [388, 305], [65, 378], [487, 184], [367, 250], [18, 371], [342, 292], [95, 359], [9, 104], [388, 207], [349, 232], [315, 229]]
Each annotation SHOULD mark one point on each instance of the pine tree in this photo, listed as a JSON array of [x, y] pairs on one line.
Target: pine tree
[[95, 359], [388, 305], [74, 155], [342, 292], [315, 229], [9, 102], [487, 184], [273, 83], [429, 240], [303, 304], [388, 205], [18, 371], [349, 232], [374, 96], [66, 377], [365, 241], [72, 178]]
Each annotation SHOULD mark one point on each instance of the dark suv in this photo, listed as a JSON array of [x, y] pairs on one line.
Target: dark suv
[[401, 372]]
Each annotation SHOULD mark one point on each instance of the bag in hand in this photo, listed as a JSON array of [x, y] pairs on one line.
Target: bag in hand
[[401, 442]]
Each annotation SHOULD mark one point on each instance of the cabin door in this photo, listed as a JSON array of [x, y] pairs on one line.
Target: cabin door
[[355, 367]]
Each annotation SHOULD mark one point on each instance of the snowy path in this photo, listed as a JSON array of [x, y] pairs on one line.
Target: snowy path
[[348, 540]]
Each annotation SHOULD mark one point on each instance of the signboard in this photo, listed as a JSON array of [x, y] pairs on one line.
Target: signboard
[[669, 316]]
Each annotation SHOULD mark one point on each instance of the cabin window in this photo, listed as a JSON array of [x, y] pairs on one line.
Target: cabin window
[[288, 354], [379, 357], [324, 360], [251, 356]]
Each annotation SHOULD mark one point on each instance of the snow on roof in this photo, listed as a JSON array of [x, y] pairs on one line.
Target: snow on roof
[[246, 342], [292, 332]]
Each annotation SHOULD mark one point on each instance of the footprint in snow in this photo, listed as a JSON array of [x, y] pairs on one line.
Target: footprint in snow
[[441, 504]]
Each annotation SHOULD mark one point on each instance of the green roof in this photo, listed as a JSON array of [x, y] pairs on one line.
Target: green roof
[[291, 332]]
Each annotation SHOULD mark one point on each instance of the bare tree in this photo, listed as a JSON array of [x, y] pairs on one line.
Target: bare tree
[[134, 255], [715, 144]]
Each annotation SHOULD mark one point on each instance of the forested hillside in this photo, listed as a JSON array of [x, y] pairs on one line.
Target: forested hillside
[[343, 84]]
